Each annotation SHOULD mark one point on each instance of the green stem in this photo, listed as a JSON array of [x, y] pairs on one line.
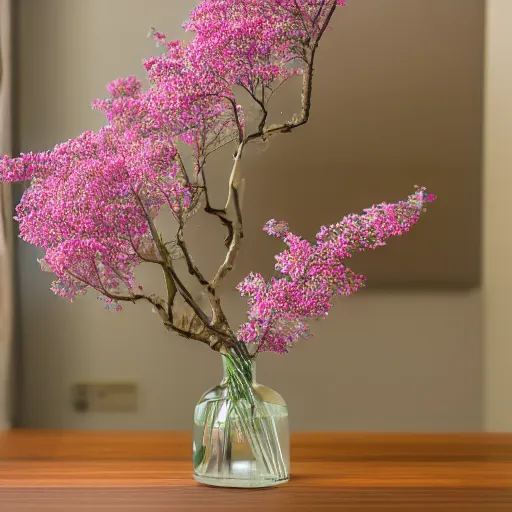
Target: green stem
[[257, 423]]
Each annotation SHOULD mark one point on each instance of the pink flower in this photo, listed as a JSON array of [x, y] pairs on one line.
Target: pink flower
[[92, 200], [312, 275], [275, 228], [91, 197]]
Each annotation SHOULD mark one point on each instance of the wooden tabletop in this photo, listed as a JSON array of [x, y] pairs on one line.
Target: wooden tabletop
[[85, 471]]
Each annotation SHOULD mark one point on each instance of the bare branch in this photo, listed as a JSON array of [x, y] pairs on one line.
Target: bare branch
[[192, 267], [172, 280], [233, 201], [319, 12], [182, 166], [307, 90], [220, 213], [237, 119]]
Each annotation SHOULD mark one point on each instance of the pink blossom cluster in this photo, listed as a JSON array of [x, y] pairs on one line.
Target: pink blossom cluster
[[89, 203], [311, 275], [185, 101], [266, 39], [92, 199]]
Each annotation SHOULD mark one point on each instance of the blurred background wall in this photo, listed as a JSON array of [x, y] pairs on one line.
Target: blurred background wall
[[497, 275], [397, 101]]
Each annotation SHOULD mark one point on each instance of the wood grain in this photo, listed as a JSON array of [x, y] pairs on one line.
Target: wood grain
[[82, 471]]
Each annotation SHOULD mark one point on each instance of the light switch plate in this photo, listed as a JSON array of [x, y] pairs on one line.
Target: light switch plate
[[104, 397]]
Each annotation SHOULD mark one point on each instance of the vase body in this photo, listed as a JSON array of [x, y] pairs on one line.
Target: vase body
[[241, 433]]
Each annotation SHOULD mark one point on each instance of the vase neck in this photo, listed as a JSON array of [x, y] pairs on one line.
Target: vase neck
[[225, 371]]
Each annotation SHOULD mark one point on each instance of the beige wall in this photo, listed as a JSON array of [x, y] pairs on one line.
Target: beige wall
[[498, 218], [383, 360]]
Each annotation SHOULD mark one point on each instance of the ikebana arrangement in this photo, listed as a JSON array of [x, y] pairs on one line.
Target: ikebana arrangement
[[93, 202]]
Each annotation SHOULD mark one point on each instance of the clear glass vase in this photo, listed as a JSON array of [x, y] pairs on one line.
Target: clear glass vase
[[241, 433]]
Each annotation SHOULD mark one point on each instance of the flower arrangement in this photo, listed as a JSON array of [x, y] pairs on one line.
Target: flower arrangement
[[93, 201]]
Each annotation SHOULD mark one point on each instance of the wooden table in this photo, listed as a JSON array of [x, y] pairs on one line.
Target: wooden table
[[85, 471]]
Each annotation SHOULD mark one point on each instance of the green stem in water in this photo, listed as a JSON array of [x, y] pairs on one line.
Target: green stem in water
[[256, 422]]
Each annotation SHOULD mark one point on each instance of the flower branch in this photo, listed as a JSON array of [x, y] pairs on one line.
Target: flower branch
[[233, 203], [93, 200], [307, 88]]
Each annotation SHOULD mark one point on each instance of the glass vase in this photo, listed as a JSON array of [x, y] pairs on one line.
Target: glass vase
[[241, 433]]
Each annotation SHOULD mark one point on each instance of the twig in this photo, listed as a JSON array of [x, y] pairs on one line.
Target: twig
[[307, 90], [234, 201]]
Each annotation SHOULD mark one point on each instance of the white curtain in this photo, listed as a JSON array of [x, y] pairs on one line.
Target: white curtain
[[6, 226]]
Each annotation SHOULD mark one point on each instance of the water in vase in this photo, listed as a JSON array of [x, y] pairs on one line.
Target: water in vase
[[241, 443]]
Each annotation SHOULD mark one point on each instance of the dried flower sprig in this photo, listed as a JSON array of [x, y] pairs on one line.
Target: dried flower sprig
[[312, 274]]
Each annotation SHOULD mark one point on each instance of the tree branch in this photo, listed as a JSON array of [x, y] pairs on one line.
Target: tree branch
[[182, 167], [192, 268], [221, 214], [219, 318], [217, 328], [237, 120], [173, 282], [307, 90], [215, 331], [233, 201]]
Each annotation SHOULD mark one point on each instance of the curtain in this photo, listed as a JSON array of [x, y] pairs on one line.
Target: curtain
[[6, 224]]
